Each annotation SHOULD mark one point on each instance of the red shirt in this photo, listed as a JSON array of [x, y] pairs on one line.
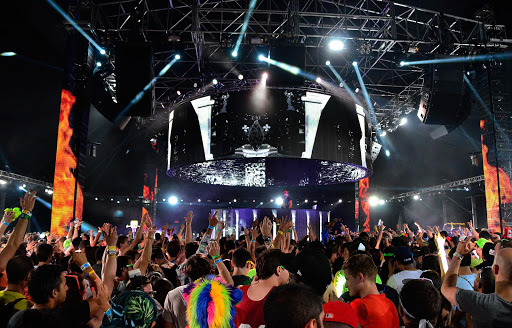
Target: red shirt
[[376, 311], [249, 313]]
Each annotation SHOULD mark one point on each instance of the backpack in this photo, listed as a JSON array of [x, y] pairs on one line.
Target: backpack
[[7, 311]]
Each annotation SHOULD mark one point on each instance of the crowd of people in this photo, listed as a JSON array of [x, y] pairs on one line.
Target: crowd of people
[[383, 278]]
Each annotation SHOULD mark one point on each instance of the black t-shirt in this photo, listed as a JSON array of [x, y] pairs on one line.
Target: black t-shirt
[[241, 280], [171, 275], [68, 315]]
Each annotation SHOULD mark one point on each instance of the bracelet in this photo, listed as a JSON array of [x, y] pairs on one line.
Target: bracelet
[[5, 223], [280, 232], [215, 256], [210, 227], [25, 216], [216, 261], [108, 313], [253, 240], [288, 231], [88, 271], [27, 212], [85, 265], [111, 247], [460, 256]]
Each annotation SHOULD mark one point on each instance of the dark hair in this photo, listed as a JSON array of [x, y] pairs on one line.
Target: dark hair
[[190, 249], [487, 280], [267, 263], [434, 276], [157, 254], [361, 263], [43, 252], [161, 287], [76, 242], [99, 253], [173, 248], [75, 288], [122, 262], [420, 299], [485, 234], [197, 267], [18, 268], [240, 257], [43, 281], [121, 240], [292, 306], [259, 250], [431, 262]]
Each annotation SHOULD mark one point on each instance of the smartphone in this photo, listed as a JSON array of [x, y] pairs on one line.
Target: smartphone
[[380, 222]]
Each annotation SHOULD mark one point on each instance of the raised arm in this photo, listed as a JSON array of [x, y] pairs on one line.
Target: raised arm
[[76, 232], [143, 262], [449, 287], [109, 267], [381, 233], [212, 223], [16, 238], [188, 228], [138, 234], [347, 233], [96, 239], [266, 231], [222, 226], [214, 251], [6, 220], [473, 230]]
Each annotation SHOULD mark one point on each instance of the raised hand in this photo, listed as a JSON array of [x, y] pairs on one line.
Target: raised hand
[[311, 234], [222, 225], [470, 224], [8, 216], [254, 233], [255, 223], [213, 220], [111, 235], [246, 232], [151, 233], [79, 257], [164, 228], [28, 201], [189, 217], [465, 247], [266, 226], [213, 248]]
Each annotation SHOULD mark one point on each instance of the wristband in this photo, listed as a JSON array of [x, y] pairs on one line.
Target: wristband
[[108, 313], [25, 216], [460, 256], [288, 231], [84, 266], [216, 261], [111, 248], [280, 232], [27, 212], [253, 240], [5, 223], [210, 227], [215, 256]]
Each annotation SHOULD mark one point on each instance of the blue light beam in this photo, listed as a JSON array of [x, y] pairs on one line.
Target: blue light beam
[[289, 68], [350, 92], [75, 25], [459, 59], [366, 96], [252, 5]]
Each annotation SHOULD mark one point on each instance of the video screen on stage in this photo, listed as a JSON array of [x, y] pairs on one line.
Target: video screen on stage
[[266, 137]]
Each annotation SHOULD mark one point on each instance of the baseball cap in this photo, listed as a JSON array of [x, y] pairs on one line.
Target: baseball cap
[[488, 250], [340, 312], [403, 255], [313, 269]]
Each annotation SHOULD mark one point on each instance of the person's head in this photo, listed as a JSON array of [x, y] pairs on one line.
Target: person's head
[[293, 306], [466, 260], [485, 234], [313, 269], [44, 253], [47, 285], [123, 242], [503, 266], [241, 259], [161, 287], [485, 281], [433, 276], [174, 248], [123, 266], [18, 270], [76, 288], [99, 253], [197, 266], [268, 265], [157, 256], [431, 262], [488, 252], [360, 272], [133, 309], [403, 257], [191, 249], [339, 315], [419, 300]]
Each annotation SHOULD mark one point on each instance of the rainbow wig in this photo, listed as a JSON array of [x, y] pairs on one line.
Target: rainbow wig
[[211, 304]]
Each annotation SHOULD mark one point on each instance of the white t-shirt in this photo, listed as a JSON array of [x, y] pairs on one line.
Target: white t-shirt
[[396, 281], [175, 308]]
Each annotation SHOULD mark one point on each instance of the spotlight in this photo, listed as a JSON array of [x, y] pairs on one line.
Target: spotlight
[[178, 57], [341, 85], [240, 77], [373, 201], [178, 92], [416, 197], [261, 203], [381, 202], [336, 45], [118, 202], [388, 153], [234, 200], [340, 200], [234, 53], [215, 81], [42, 236], [199, 200], [271, 200], [24, 186], [264, 76], [357, 90], [95, 198], [8, 54], [102, 51], [98, 64], [49, 191], [195, 85], [318, 80], [403, 121], [20, 188], [327, 63], [354, 63], [2, 182], [173, 200], [402, 63], [306, 201], [261, 58], [163, 200], [127, 199], [383, 133], [279, 201]]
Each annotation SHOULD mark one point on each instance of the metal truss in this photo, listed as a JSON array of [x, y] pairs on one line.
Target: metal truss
[[378, 34], [444, 186], [20, 178]]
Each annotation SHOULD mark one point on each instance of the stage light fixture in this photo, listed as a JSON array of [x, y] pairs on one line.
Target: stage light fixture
[[95, 198], [264, 76], [416, 197], [261, 58], [215, 81], [327, 63], [2, 182], [403, 121], [240, 77], [354, 63], [305, 201], [261, 203], [388, 153], [98, 64], [340, 200], [20, 188], [173, 200], [178, 57], [383, 133], [8, 54], [24, 186], [234, 53], [234, 200], [381, 201], [357, 90], [127, 199], [336, 45], [178, 92], [373, 200], [199, 200], [271, 200], [318, 80], [341, 85], [103, 51], [402, 63], [279, 201]]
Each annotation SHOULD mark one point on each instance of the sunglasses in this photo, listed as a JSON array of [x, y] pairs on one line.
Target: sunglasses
[[76, 279]]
